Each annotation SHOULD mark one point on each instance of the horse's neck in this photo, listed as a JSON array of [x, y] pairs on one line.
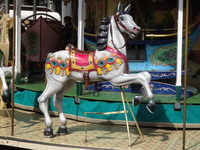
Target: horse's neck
[[115, 38]]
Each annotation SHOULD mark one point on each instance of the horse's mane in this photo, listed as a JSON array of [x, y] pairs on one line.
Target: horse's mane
[[102, 36]]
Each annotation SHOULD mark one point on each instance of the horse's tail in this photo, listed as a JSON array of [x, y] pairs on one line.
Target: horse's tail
[[70, 83]]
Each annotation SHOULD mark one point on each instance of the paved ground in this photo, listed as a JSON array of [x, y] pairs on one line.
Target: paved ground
[[28, 133]]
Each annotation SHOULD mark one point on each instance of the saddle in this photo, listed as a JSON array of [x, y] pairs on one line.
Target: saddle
[[81, 61]]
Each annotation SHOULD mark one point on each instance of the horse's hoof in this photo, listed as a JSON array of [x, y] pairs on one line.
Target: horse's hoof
[[62, 131], [151, 106], [48, 132], [136, 101]]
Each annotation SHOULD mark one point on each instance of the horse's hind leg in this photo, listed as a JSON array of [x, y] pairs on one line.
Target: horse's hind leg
[[58, 104], [43, 104]]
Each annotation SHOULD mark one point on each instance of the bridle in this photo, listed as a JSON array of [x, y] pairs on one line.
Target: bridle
[[118, 22]]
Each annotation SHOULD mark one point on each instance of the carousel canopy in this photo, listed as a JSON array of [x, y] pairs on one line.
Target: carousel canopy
[[27, 11]]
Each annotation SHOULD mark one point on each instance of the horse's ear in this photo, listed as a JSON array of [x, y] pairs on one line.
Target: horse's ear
[[119, 7], [127, 9]]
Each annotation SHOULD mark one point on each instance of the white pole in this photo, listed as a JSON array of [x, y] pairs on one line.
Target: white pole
[[34, 9], [179, 50], [80, 43], [48, 3], [7, 3], [66, 11], [18, 39]]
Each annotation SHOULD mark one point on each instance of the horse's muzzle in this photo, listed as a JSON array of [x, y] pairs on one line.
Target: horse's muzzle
[[136, 30]]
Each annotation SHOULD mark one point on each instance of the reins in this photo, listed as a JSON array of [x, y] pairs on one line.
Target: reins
[[117, 21]]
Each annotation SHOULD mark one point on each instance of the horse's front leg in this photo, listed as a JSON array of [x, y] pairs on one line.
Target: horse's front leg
[[142, 78], [62, 130], [147, 92], [43, 105], [50, 90]]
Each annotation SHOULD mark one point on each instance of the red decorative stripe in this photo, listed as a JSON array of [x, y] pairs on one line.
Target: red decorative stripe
[[118, 53]]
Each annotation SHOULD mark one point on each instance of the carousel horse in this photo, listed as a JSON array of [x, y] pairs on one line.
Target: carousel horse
[[108, 62]]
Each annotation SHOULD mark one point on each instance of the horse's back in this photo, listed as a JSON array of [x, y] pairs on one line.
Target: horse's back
[[60, 53]]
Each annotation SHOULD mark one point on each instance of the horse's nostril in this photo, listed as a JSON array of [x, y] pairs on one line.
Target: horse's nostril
[[135, 29]]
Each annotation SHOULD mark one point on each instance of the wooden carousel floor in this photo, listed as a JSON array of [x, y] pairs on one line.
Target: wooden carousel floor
[[28, 133]]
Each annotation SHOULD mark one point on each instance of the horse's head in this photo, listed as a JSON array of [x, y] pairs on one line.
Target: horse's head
[[125, 22]]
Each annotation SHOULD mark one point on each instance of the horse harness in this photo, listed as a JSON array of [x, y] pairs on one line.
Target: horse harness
[[85, 62], [118, 22]]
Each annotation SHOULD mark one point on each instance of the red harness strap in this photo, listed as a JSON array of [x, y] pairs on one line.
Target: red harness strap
[[120, 55]]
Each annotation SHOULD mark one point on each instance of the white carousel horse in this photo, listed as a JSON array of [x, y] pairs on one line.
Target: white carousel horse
[[108, 62]]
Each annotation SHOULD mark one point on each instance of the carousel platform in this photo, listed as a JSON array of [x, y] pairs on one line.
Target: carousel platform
[[164, 116], [28, 134]]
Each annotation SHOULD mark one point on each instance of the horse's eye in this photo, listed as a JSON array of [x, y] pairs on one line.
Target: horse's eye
[[121, 18]]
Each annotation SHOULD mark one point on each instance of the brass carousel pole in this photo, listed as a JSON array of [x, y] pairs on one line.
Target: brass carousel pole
[[185, 76], [13, 68]]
